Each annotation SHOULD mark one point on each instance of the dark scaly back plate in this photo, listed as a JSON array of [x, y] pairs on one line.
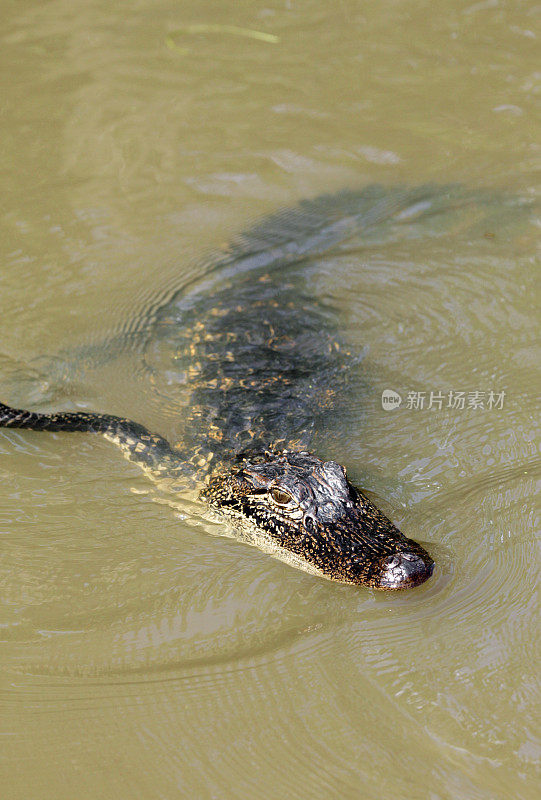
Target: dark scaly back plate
[[262, 361]]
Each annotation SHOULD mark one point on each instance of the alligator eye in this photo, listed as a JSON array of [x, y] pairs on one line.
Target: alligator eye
[[280, 497]]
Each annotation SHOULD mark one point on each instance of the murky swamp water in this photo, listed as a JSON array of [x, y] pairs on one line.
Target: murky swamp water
[[142, 656]]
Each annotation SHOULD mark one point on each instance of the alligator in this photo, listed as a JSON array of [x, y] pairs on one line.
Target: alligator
[[265, 367]]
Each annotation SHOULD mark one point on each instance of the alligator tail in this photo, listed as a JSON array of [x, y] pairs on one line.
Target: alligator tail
[[148, 450], [19, 418]]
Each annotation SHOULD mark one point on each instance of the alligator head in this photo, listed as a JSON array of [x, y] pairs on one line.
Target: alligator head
[[308, 508]]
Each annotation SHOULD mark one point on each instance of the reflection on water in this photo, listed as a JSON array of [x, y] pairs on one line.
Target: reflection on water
[[142, 655]]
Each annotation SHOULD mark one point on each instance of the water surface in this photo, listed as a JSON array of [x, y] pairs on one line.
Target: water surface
[[142, 655]]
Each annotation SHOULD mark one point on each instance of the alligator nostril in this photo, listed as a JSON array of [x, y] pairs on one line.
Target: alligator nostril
[[404, 570]]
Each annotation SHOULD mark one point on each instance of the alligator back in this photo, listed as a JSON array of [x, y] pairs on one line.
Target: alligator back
[[261, 359]]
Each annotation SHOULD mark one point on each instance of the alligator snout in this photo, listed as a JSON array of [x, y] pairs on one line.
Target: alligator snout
[[404, 570]]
